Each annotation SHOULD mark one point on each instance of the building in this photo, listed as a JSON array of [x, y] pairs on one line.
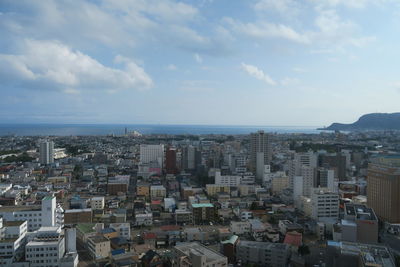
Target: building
[[49, 247], [262, 253], [324, 204], [12, 241], [308, 159], [123, 229], [204, 212], [115, 188], [228, 248], [170, 161], [152, 153], [144, 219], [46, 152], [260, 152], [214, 189], [97, 203], [143, 189], [240, 228], [191, 158], [183, 216], [279, 183], [196, 255], [335, 161], [359, 224], [99, 247], [325, 178], [76, 216], [158, 192], [47, 214], [233, 180], [383, 191]]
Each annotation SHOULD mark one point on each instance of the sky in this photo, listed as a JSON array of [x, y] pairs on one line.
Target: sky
[[214, 62]]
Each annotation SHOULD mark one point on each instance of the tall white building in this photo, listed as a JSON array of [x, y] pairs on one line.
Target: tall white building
[[12, 241], [308, 159], [152, 153], [46, 152], [233, 180], [308, 179], [260, 151], [325, 204], [47, 248]]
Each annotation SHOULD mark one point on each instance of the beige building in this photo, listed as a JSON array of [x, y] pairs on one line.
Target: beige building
[[158, 192], [214, 189], [99, 247], [97, 203], [143, 189], [279, 183], [383, 190]]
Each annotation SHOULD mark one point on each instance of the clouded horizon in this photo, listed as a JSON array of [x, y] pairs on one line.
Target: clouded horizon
[[221, 62]]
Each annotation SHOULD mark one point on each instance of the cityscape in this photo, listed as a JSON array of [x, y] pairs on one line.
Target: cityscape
[[207, 133]]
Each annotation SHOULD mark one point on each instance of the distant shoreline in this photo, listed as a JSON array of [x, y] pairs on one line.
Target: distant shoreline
[[119, 129]]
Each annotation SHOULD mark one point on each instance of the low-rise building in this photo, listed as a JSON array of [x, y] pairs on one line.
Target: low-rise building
[[76, 216], [99, 247], [262, 253], [204, 212], [196, 255], [97, 203]]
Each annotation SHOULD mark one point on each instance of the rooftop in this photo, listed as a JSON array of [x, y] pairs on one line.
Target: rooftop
[[13, 223], [98, 239], [202, 205], [86, 227], [200, 250]]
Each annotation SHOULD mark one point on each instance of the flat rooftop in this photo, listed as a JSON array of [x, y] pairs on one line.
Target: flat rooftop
[[20, 208], [198, 249], [13, 223]]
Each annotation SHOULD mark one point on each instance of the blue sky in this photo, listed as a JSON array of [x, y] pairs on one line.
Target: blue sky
[[225, 62]]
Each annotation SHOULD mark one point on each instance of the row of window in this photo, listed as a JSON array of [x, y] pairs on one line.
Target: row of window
[[41, 249]]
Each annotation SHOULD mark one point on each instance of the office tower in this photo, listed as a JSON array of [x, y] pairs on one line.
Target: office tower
[[325, 178], [308, 159], [46, 151], [170, 161], [359, 224], [191, 158], [260, 152], [335, 161], [383, 191], [325, 204], [152, 153]]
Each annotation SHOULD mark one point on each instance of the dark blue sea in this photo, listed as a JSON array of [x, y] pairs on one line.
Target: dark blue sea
[[119, 129]]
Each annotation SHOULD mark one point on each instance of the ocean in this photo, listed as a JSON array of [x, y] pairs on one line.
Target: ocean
[[119, 129]]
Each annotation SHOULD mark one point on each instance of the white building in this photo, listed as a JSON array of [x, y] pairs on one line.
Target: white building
[[97, 203], [239, 228], [46, 152], [307, 159], [325, 204], [12, 241], [123, 229], [47, 248], [144, 219], [152, 153], [233, 180], [48, 214]]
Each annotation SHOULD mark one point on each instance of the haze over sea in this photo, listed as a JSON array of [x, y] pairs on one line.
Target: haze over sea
[[118, 129]]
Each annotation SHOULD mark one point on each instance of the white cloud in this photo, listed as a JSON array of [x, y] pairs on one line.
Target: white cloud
[[198, 58], [53, 65], [171, 67], [299, 70], [263, 29], [257, 73]]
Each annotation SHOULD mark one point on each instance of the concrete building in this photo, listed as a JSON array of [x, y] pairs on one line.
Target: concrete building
[[48, 248], [196, 255], [359, 224], [262, 253], [145, 219], [170, 161], [97, 203], [143, 189], [204, 212], [325, 204], [308, 159], [152, 153], [183, 216], [46, 152], [214, 189], [383, 191], [240, 228], [12, 241], [325, 178], [260, 152], [47, 214], [76, 216], [123, 229], [233, 180], [99, 247], [158, 192]]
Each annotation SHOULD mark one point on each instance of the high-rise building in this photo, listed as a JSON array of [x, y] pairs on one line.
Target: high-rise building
[[325, 178], [335, 161], [260, 152], [191, 158], [383, 191], [308, 159], [46, 152], [152, 153], [325, 204], [170, 161]]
